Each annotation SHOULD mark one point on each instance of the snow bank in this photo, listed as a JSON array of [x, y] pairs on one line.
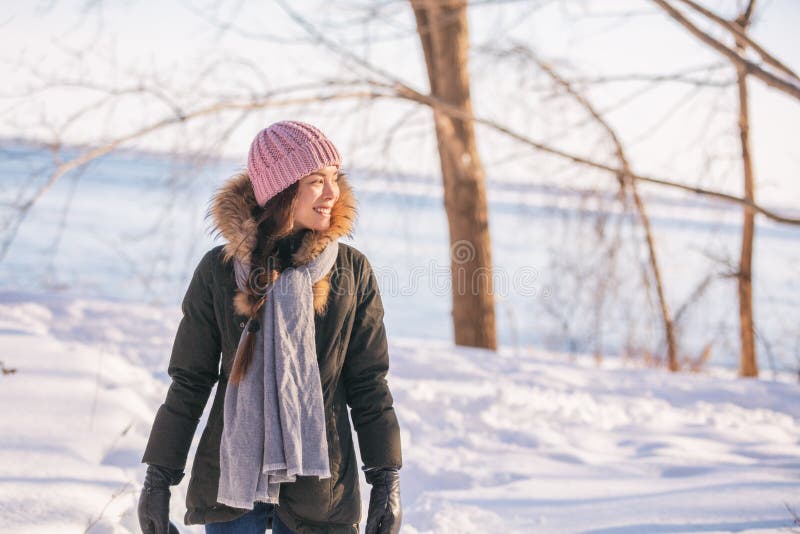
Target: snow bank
[[492, 442]]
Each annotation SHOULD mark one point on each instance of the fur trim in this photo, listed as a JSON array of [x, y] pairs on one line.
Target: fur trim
[[241, 303], [231, 212], [321, 290]]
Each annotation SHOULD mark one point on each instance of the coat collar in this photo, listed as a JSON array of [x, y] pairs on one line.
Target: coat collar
[[232, 209], [231, 213]]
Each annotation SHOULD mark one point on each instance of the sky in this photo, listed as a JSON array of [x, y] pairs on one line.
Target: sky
[[671, 131]]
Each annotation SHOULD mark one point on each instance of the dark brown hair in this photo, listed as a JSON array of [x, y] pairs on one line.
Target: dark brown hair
[[274, 223]]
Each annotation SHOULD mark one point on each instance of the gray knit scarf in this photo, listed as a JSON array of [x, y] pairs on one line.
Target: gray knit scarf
[[274, 420]]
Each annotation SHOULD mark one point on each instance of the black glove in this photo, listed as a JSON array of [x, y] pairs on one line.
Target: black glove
[[385, 514], [154, 500]]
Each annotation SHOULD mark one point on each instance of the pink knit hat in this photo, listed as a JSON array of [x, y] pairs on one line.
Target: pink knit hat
[[284, 152]]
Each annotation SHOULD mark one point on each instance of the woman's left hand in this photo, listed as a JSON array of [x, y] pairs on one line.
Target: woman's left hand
[[385, 513]]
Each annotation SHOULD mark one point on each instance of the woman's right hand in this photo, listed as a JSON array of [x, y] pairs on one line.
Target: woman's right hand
[[154, 500]]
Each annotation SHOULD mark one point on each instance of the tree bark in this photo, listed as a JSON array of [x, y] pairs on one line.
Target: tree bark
[[443, 31], [748, 365]]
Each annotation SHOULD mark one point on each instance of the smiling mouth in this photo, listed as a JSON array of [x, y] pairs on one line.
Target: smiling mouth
[[323, 211]]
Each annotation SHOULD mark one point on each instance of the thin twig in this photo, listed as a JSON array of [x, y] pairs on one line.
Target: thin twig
[[114, 495], [742, 36], [789, 86]]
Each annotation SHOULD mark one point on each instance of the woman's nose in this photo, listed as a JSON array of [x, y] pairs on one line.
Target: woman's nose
[[331, 190]]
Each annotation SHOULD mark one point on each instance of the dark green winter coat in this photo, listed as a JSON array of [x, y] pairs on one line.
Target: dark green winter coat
[[353, 362]]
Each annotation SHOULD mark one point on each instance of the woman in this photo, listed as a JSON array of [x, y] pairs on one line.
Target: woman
[[289, 323]]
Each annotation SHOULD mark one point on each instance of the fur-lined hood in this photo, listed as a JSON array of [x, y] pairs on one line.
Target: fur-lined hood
[[231, 213]]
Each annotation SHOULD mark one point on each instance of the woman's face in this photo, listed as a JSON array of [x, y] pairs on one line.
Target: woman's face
[[316, 195]]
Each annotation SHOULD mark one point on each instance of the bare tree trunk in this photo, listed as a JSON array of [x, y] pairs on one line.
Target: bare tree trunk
[[442, 28], [748, 365]]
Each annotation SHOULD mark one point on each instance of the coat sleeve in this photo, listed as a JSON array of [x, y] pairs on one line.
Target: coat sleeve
[[194, 369], [365, 367]]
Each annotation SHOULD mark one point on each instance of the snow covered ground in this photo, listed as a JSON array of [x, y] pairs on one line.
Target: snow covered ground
[[514, 441]]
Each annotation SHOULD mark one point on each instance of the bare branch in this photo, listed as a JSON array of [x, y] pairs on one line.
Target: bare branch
[[655, 270], [791, 87], [741, 35], [406, 92], [102, 150]]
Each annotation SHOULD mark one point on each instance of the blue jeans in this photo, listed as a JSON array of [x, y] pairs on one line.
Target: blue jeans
[[253, 522]]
